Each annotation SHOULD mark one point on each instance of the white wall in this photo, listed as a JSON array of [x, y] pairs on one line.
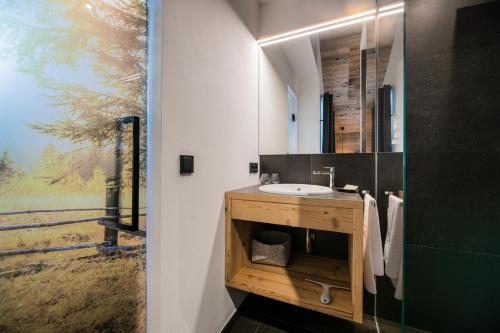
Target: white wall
[[273, 103], [211, 112], [317, 57], [277, 58], [308, 115], [395, 77], [291, 64], [278, 16]]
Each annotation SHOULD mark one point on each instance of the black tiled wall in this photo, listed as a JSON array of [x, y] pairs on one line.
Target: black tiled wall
[[291, 168], [389, 178], [453, 154], [355, 169]]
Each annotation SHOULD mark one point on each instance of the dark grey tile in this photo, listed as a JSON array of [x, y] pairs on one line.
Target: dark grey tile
[[453, 56], [290, 318], [368, 303], [425, 76], [389, 178], [432, 26], [452, 201], [388, 307], [449, 291], [264, 328], [453, 101], [387, 326], [243, 324], [408, 329], [423, 19], [478, 26], [291, 168], [355, 169], [326, 244]]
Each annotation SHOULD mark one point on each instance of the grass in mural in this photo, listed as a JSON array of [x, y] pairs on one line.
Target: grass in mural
[[68, 291], [97, 294]]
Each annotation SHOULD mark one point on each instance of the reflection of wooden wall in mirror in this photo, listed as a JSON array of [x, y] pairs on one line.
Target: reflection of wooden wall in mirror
[[340, 59]]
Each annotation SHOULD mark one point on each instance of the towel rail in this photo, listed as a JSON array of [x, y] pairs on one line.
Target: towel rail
[[364, 192], [388, 193]]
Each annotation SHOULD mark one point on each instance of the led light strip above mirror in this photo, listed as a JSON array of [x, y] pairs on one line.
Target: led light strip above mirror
[[333, 24]]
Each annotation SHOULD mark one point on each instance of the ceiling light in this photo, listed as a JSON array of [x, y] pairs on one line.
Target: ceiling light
[[393, 6], [400, 10], [333, 24], [315, 31], [314, 28]]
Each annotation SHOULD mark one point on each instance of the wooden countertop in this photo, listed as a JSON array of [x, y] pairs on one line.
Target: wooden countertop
[[334, 199]]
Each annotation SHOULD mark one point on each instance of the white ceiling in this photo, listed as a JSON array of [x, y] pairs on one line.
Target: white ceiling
[[278, 16]]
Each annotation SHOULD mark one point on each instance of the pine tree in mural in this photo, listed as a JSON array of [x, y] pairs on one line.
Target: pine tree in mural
[[6, 168], [108, 36]]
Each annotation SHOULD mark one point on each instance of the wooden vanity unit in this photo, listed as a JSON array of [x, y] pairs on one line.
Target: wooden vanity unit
[[246, 210]]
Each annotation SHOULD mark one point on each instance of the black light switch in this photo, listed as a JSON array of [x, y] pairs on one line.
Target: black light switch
[[187, 164], [253, 167]]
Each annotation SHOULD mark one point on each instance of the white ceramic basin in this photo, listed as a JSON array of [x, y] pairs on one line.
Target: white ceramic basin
[[295, 189]]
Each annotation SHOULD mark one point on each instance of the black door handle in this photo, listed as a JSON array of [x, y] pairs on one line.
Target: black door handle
[[136, 137]]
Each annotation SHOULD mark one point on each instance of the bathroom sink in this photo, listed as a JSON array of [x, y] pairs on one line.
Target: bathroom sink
[[295, 189]]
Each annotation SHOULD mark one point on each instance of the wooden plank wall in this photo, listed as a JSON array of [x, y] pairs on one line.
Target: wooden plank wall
[[340, 59]]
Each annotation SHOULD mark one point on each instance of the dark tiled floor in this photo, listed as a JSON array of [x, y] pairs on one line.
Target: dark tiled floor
[[243, 324], [262, 315]]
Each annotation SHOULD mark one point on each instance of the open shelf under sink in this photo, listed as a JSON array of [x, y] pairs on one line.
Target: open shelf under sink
[[289, 284]]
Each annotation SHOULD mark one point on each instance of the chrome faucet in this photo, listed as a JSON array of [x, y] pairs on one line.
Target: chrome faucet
[[331, 172]]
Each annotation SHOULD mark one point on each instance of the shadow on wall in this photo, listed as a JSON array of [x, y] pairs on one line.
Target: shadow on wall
[[248, 12], [215, 273]]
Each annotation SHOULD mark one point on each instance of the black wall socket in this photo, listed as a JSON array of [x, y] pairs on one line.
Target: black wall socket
[[186, 164], [253, 167]]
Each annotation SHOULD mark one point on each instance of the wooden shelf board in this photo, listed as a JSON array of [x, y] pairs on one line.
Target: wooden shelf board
[[289, 284]]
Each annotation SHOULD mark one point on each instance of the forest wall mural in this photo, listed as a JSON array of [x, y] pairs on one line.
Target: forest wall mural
[[70, 70]]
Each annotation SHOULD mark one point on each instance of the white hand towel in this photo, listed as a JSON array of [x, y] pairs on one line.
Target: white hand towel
[[373, 259], [393, 248], [398, 294]]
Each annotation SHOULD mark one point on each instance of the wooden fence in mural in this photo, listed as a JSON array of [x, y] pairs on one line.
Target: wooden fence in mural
[[109, 221]]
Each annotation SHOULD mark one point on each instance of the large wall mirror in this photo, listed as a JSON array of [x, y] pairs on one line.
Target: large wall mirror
[[331, 80]]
